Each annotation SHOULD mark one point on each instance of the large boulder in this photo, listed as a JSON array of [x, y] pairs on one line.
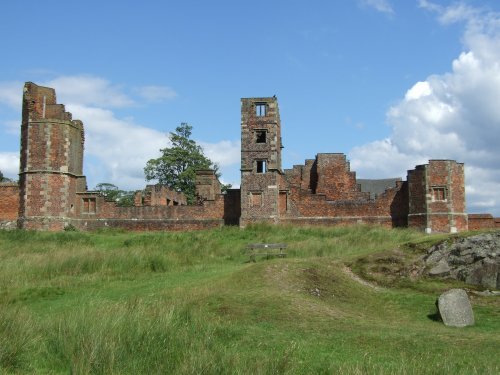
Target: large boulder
[[455, 308], [474, 260]]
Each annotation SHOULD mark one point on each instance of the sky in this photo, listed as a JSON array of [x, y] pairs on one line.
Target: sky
[[390, 83]]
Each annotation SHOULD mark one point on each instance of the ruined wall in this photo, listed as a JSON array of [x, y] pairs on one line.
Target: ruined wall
[[208, 186], [158, 195], [53, 192], [334, 178], [9, 204], [93, 212], [325, 191], [437, 197], [483, 221]]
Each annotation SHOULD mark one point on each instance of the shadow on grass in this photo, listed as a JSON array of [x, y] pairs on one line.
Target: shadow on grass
[[435, 316]]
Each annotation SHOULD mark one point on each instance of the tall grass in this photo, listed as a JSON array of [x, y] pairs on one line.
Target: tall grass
[[126, 303]]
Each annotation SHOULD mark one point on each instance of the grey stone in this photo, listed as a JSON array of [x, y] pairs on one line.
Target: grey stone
[[474, 260], [455, 308], [486, 274], [434, 257], [441, 269]]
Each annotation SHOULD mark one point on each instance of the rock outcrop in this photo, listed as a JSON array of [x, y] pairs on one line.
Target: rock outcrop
[[474, 260]]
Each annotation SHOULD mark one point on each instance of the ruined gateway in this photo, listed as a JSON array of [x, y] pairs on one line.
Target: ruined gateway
[[52, 192]]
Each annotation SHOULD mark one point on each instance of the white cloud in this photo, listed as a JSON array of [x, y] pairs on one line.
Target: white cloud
[[227, 155], [224, 153], [379, 5], [9, 164], [89, 90], [451, 116], [120, 147], [156, 93], [419, 90], [11, 94]]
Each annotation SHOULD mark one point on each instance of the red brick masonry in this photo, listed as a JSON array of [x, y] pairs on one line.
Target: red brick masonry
[[52, 192]]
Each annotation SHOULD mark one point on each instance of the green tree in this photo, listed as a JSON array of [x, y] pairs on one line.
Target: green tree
[[111, 192], [4, 179], [177, 165]]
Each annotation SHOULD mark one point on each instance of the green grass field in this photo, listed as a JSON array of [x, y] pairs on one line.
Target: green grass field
[[190, 303]]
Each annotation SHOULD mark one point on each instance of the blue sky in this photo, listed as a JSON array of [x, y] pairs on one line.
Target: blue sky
[[390, 83]]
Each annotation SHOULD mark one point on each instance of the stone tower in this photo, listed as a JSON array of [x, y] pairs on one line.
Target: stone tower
[[51, 161], [261, 174], [436, 193]]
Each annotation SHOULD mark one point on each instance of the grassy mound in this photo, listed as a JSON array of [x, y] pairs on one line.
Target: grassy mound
[[126, 303]]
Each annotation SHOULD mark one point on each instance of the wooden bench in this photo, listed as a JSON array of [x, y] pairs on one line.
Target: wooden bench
[[268, 250]]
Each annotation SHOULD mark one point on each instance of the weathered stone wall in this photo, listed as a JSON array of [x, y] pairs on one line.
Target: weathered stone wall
[[9, 204]]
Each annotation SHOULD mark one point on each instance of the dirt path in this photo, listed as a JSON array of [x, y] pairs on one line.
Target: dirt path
[[359, 280]]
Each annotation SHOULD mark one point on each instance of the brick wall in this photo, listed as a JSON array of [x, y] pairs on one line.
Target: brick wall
[[207, 185], [325, 191], [482, 221], [335, 179], [93, 211], [437, 197], [9, 204], [51, 161], [53, 193], [260, 160], [159, 195]]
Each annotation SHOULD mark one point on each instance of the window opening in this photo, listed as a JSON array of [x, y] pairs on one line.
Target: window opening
[[261, 166], [260, 136], [438, 193], [260, 109], [283, 202], [89, 205]]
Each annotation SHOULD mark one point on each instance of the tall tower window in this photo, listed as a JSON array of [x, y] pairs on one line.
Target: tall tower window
[[261, 166], [260, 109], [260, 136]]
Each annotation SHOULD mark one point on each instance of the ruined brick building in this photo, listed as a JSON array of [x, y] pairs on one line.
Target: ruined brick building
[[52, 191]]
